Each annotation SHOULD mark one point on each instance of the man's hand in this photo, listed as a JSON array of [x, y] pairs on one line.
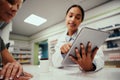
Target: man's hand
[[11, 70], [14, 71], [86, 58]]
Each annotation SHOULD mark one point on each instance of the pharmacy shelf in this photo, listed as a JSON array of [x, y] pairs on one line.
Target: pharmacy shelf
[[21, 52], [113, 38], [111, 28], [111, 52], [112, 49], [23, 56]]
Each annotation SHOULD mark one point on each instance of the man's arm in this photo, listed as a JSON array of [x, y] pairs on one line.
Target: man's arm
[[6, 56]]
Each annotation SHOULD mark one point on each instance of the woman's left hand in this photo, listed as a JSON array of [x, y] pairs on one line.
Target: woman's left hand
[[85, 60]]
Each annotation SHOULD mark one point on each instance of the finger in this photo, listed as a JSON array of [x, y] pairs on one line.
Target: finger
[[79, 62], [23, 78], [28, 74], [94, 52], [65, 48], [69, 44], [73, 59], [89, 45], [20, 70], [82, 50], [77, 54], [9, 71], [62, 51], [14, 71], [68, 47], [3, 71]]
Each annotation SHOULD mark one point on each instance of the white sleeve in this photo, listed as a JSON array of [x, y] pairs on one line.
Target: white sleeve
[[99, 60], [57, 57]]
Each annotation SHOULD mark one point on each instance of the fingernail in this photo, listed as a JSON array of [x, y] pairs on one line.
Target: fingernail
[[17, 76], [81, 46], [80, 43], [11, 78], [89, 44], [1, 77], [6, 79]]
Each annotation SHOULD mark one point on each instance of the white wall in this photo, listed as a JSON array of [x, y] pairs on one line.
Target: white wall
[[105, 22], [43, 35], [105, 15], [103, 11], [19, 37]]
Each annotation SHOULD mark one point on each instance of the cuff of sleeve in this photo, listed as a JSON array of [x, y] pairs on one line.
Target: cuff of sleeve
[[94, 67]]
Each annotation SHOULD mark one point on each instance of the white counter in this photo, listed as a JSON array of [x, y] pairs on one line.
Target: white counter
[[73, 74]]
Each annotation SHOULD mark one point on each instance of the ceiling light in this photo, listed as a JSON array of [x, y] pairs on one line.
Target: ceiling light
[[35, 20]]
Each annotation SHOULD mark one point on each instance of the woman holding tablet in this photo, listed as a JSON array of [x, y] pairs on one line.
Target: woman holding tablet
[[89, 60]]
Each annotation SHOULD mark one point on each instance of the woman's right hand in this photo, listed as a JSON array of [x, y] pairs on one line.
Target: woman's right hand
[[65, 48]]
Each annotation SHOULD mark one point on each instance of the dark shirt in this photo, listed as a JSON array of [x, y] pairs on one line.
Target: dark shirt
[[2, 45]]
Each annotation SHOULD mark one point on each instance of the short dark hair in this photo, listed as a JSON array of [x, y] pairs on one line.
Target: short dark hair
[[75, 5]]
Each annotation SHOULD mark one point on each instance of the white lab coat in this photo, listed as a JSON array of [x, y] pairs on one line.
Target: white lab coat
[[57, 57]]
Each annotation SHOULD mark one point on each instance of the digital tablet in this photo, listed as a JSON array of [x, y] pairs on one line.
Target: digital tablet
[[96, 37]]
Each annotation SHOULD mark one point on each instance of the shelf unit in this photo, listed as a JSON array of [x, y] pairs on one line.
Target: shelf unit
[[22, 55], [111, 47], [21, 51]]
